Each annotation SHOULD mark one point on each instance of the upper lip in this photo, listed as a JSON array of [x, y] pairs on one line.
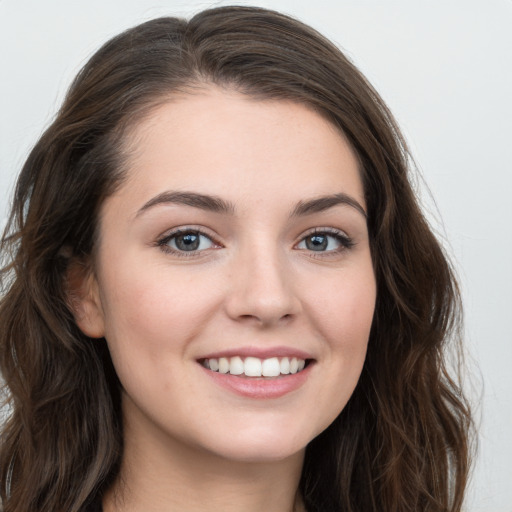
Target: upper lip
[[259, 352]]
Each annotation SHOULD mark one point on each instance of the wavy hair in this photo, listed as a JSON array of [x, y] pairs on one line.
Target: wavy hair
[[402, 441]]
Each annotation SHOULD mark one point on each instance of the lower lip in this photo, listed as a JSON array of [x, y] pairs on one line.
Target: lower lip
[[260, 387]]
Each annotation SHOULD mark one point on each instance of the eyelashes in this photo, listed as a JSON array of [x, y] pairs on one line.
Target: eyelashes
[[187, 242], [327, 240], [192, 242]]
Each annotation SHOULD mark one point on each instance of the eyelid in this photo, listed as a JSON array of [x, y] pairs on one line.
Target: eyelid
[[163, 240], [345, 240]]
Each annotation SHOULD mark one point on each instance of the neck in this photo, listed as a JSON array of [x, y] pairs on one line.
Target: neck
[[159, 474]]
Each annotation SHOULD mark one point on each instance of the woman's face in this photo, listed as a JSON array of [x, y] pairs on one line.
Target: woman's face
[[238, 245]]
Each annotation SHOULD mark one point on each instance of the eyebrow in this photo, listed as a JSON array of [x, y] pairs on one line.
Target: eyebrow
[[218, 205], [323, 203], [201, 201]]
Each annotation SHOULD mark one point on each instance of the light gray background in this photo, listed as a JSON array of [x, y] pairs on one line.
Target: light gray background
[[445, 69]]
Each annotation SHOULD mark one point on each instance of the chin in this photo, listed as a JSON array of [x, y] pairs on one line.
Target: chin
[[258, 454], [261, 445]]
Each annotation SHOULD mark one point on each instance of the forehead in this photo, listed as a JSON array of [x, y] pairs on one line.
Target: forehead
[[221, 142]]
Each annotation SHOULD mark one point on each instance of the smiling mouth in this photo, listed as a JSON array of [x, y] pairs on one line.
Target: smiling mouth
[[255, 367]]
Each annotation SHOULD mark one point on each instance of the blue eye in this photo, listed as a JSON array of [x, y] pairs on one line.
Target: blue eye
[[187, 241], [325, 242]]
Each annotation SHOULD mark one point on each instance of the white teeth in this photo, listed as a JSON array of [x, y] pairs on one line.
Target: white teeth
[[252, 367], [223, 365], [236, 366], [255, 367], [270, 367]]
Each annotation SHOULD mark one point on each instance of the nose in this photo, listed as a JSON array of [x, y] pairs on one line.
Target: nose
[[262, 289]]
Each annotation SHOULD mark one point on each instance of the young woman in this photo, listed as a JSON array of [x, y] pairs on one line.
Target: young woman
[[220, 292]]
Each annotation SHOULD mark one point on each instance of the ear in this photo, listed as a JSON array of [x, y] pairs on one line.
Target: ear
[[83, 298]]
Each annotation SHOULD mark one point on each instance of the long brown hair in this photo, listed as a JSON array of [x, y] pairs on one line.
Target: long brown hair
[[400, 444]]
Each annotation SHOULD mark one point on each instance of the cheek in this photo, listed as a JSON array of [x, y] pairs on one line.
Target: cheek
[[343, 308], [343, 317], [153, 311]]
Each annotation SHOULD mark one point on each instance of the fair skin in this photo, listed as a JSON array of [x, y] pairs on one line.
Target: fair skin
[[263, 270]]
